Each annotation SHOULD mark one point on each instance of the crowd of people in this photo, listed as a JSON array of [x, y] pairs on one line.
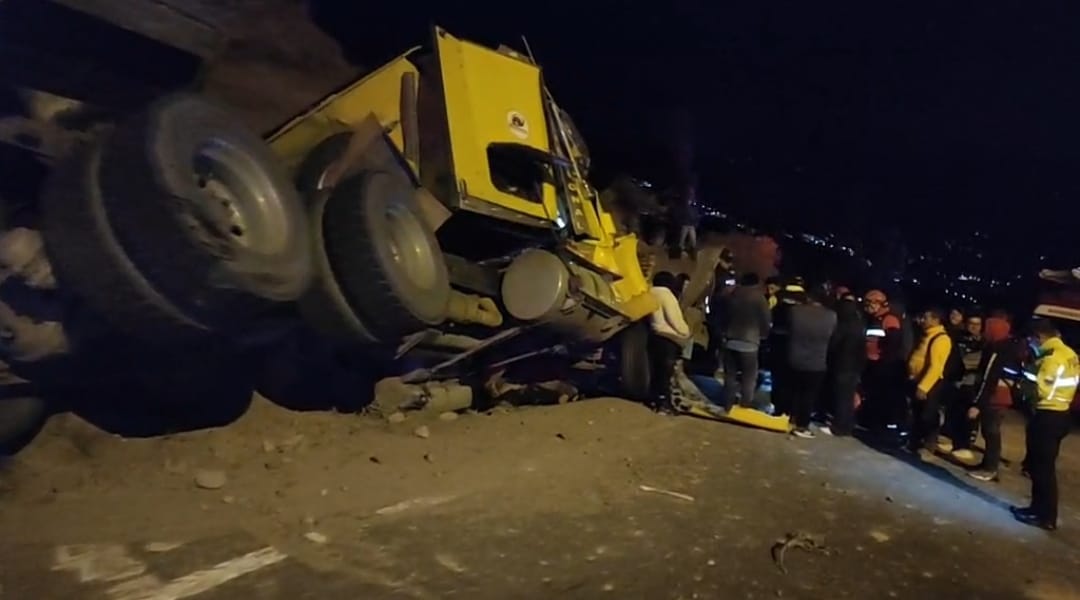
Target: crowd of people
[[931, 382]]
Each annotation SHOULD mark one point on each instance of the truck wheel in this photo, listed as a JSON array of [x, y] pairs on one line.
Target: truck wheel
[[635, 370], [384, 256], [310, 173], [324, 306], [20, 420], [205, 211], [89, 262]]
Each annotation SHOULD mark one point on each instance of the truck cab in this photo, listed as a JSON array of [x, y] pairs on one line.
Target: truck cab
[[493, 167]]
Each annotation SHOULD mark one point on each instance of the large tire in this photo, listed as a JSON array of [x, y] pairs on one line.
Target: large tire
[[384, 255], [635, 369], [89, 262], [324, 306], [205, 211], [20, 420], [309, 174]]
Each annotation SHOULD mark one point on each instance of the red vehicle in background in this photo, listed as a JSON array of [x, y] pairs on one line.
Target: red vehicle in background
[[1060, 301]]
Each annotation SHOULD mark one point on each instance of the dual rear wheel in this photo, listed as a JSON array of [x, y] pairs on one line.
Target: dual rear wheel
[[380, 273], [176, 224]]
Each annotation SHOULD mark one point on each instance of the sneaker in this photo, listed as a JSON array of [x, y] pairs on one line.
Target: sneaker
[[983, 475], [944, 447], [963, 454], [1021, 510], [803, 433], [825, 430]]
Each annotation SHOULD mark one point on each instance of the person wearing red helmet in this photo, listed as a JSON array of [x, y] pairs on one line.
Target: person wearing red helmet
[[885, 408]]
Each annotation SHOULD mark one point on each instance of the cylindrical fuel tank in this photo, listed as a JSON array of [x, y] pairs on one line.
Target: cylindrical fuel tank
[[539, 286]]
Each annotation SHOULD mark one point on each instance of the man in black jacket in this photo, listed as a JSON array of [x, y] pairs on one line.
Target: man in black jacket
[[993, 396], [847, 359], [791, 294]]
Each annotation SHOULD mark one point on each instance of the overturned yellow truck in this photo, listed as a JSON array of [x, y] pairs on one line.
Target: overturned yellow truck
[[436, 211], [450, 209]]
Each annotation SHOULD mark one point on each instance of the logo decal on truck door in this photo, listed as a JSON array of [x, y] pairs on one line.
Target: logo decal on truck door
[[517, 124]]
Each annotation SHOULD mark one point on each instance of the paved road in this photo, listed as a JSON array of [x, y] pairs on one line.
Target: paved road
[[578, 525], [234, 566]]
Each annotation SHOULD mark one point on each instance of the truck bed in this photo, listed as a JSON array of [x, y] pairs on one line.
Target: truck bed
[[113, 53]]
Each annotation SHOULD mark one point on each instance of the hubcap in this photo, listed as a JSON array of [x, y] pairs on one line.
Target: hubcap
[[407, 245], [239, 198]]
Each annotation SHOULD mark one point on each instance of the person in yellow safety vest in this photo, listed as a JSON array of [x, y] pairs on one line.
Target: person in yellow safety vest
[[1057, 373], [772, 288]]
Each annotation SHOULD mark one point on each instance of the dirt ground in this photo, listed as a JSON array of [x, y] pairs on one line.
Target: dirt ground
[[524, 503]]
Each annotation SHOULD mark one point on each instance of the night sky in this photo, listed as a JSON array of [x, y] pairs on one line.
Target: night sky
[[937, 117]]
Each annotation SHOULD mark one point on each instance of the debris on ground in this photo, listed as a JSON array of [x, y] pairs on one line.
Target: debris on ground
[[175, 467], [210, 479], [397, 417], [422, 432], [800, 540], [442, 397], [880, 536], [404, 505], [653, 490], [449, 416], [450, 563], [394, 396], [159, 547], [316, 537]]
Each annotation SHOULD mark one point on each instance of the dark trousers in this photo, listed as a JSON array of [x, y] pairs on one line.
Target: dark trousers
[[781, 389], [1044, 434], [740, 377], [823, 404], [885, 404], [805, 389], [842, 391], [926, 418], [958, 426], [663, 354], [776, 361], [990, 420]]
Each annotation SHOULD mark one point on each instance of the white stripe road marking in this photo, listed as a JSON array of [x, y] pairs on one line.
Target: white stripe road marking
[[158, 547], [421, 502], [97, 562], [199, 581]]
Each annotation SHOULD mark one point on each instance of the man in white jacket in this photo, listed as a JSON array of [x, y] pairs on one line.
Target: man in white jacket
[[670, 334]]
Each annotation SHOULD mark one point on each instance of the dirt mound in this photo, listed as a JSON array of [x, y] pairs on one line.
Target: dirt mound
[[275, 62]]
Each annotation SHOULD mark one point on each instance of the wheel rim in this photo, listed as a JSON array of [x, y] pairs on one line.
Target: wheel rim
[[408, 245], [238, 198]]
